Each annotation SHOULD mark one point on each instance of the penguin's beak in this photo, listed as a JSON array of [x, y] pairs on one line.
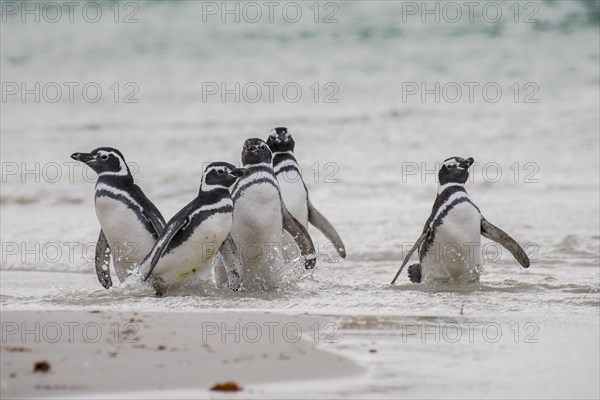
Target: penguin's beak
[[467, 163], [83, 157], [239, 172]]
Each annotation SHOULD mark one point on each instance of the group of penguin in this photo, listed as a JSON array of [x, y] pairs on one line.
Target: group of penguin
[[241, 228]]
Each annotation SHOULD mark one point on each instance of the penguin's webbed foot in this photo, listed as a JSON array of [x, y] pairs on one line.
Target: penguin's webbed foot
[[159, 286], [414, 273]]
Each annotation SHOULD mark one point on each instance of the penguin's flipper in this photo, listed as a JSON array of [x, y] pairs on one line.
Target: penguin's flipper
[[321, 223], [156, 219], [301, 237], [496, 234], [231, 262], [150, 211], [410, 253], [103, 261], [147, 266]]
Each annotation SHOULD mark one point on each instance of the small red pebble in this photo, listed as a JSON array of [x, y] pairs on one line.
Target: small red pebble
[[41, 366], [226, 387]]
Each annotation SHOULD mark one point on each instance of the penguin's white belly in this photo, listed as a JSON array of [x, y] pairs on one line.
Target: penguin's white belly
[[294, 195], [193, 258], [257, 232], [455, 253], [127, 237]]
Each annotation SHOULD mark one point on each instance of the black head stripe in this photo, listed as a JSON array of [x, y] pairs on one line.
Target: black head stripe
[[109, 150], [220, 164], [256, 175], [283, 157]]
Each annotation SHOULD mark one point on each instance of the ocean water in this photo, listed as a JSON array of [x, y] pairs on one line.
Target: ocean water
[[368, 145]]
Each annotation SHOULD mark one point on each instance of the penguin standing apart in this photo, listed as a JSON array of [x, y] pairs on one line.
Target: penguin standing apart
[[294, 191], [130, 223], [185, 250], [449, 247], [259, 218]]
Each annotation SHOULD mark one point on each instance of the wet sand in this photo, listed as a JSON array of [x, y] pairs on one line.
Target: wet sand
[[105, 353]]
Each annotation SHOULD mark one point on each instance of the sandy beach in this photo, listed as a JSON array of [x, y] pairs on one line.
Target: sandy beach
[[107, 354]]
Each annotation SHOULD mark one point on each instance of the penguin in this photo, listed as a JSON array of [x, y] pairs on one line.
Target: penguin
[[185, 250], [130, 223], [293, 189], [450, 242], [259, 219]]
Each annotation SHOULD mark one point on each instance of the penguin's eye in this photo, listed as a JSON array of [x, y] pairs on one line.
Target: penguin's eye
[[104, 157], [220, 171], [451, 166]]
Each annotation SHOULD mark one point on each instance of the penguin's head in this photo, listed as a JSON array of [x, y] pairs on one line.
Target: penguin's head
[[256, 151], [104, 161], [220, 175], [455, 170], [280, 140]]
